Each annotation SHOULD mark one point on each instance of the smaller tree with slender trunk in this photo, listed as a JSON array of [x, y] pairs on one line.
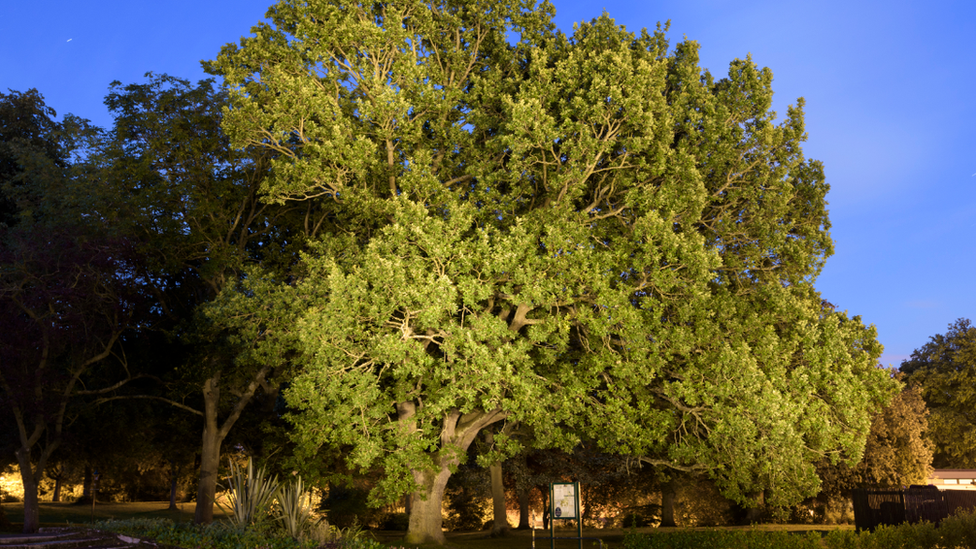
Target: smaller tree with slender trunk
[[167, 174], [65, 304]]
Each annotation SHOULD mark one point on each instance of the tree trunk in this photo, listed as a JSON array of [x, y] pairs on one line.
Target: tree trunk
[[56, 497], [214, 434], [458, 431], [172, 484], [754, 513], [426, 521], [86, 484], [667, 504], [209, 456], [523, 499], [500, 526], [30, 476], [32, 515], [545, 506]]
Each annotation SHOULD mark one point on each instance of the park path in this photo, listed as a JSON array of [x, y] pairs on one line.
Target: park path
[[71, 538]]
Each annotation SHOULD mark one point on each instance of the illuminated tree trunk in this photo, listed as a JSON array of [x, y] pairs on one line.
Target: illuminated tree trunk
[[214, 434], [426, 521], [209, 454], [500, 515]]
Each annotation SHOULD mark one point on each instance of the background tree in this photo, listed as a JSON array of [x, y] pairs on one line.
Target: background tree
[[30, 137], [898, 452], [64, 304], [65, 291], [945, 369], [168, 174], [574, 233]]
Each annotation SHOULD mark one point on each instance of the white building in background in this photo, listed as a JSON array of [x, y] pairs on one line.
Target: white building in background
[[953, 479]]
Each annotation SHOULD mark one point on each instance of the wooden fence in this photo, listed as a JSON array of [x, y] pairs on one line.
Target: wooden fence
[[873, 508]]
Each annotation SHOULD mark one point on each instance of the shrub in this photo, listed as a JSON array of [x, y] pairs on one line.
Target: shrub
[[838, 511], [395, 521], [841, 539], [959, 530]]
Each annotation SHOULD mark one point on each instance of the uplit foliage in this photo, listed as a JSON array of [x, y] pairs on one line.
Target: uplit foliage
[[945, 369], [579, 233], [897, 453]]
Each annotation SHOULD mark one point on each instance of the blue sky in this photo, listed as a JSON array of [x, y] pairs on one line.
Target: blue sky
[[889, 85]]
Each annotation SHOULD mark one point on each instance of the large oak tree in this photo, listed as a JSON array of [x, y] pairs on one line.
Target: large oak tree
[[581, 232]]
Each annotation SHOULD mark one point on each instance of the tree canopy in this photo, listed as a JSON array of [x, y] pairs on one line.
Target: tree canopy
[[945, 369], [578, 233]]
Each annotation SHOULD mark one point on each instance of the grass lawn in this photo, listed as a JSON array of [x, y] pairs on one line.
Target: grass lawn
[[54, 514], [612, 538]]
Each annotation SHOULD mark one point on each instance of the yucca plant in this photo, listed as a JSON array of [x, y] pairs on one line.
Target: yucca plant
[[251, 496], [295, 508]]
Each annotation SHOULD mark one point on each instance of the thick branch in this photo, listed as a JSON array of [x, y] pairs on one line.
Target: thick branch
[[148, 397]]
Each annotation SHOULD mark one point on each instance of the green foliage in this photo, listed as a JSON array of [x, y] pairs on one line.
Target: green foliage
[[956, 531], [40, 179], [959, 530], [347, 507], [945, 369], [897, 452], [582, 233], [841, 539], [251, 496], [217, 535]]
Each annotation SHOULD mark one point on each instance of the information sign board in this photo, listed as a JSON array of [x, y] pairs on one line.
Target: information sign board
[[564, 501]]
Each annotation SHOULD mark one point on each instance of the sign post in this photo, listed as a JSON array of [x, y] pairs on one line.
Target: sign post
[[564, 501]]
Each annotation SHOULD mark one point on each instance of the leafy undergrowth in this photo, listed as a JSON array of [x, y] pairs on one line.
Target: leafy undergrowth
[[220, 535]]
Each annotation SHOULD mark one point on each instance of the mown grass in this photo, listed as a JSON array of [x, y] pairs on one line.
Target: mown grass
[[59, 514], [612, 538]]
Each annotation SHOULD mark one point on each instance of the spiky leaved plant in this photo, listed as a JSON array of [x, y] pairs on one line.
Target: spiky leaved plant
[[251, 495], [295, 508]]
